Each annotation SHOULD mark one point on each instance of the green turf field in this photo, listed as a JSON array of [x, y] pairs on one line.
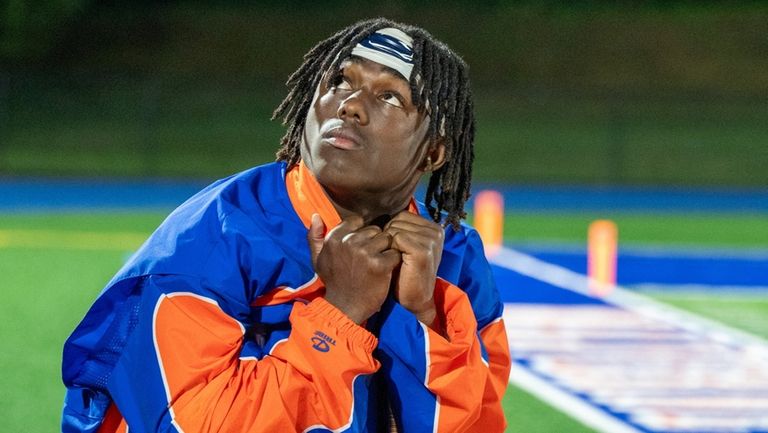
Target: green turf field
[[728, 230], [53, 265]]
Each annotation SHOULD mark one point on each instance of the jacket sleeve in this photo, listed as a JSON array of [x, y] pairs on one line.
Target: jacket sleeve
[[182, 368], [454, 381]]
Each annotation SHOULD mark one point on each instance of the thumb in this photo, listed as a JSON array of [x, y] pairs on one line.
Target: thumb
[[315, 237]]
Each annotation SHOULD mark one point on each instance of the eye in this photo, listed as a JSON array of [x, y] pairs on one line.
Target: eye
[[392, 98], [343, 84], [340, 82]]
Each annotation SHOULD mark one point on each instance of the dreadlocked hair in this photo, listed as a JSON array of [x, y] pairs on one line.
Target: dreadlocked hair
[[439, 85]]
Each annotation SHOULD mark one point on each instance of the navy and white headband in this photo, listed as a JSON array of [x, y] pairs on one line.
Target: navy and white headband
[[390, 47]]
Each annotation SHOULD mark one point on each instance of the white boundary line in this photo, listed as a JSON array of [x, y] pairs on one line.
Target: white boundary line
[[621, 297], [573, 406], [566, 279]]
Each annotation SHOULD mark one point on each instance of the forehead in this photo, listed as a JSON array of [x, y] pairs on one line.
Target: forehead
[[354, 60]]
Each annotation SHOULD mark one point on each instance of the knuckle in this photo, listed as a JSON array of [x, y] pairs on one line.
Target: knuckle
[[332, 241], [348, 238], [372, 230], [378, 267]]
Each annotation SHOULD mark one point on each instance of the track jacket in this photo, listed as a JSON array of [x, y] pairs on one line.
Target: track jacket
[[218, 324]]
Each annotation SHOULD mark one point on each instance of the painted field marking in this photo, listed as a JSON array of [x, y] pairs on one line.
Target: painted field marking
[[71, 240], [634, 364]]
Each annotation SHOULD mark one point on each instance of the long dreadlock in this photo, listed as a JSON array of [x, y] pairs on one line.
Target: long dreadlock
[[439, 85]]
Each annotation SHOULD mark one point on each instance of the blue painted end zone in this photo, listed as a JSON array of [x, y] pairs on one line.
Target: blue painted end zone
[[673, 269], [517, 288]]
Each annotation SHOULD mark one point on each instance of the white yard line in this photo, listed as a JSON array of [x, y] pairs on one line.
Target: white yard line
[[573, 406], [621, 297], [633, 309]]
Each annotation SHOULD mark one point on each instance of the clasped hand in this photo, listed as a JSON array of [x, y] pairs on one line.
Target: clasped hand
[[359, 263]]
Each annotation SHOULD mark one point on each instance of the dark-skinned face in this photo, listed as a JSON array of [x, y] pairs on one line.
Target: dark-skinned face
[[363, 137]]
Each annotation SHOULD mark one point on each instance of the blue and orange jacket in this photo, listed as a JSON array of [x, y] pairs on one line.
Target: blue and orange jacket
[[218, 323]]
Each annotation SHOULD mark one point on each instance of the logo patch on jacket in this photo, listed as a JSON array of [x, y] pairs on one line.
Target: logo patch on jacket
[[322, 342]]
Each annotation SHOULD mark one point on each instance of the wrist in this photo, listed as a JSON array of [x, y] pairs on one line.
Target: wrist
[[350, 309], [428, 318], [426, 313]]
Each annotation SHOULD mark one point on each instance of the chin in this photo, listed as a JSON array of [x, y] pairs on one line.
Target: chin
[[333, 173]]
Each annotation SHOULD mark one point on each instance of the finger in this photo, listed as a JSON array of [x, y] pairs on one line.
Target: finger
[[315, 237], [347, 226], [409, 226], [415, 222], [408, 242], [361, 235], [381, 242], [390, 259], [417, 249], [412, 217], [425, 236]]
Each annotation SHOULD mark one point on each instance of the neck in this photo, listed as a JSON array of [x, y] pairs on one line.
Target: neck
[[370, 206]]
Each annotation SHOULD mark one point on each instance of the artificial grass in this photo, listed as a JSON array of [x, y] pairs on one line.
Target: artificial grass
[[745, 311], [53, 268], [46, 291], [674, 228], [681, 229], [527, 414]]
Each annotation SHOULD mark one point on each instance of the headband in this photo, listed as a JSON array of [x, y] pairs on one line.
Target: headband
[[390, 47]]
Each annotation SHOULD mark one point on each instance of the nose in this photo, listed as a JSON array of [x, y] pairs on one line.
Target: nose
[[353, 108]]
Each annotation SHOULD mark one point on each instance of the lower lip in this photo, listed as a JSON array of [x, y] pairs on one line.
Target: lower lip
[[341, 143]]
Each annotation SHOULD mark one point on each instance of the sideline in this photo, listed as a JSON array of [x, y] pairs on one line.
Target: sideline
[[567, 279]]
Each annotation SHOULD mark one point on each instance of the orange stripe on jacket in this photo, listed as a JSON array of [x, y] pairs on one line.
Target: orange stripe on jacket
[[455, 362], [281, 295], [211, 389], [113, 421], [494, 337], [456, 367]]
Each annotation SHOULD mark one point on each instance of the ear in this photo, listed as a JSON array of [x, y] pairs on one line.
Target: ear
[[435, 156]]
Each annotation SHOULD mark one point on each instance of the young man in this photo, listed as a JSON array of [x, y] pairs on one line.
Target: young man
[[314, 293]]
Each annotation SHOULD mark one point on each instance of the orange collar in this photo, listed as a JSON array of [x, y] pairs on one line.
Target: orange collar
[[308, 197]]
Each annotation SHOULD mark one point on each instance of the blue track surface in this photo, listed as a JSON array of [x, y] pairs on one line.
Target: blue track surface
[[49, 194], [698, 267], [23, 195], [615, 198]]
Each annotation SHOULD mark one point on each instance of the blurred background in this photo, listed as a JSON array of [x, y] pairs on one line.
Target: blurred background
[[659, 93], [651, 114]]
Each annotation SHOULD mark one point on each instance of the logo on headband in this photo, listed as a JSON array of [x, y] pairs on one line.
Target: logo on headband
[[389, 47]]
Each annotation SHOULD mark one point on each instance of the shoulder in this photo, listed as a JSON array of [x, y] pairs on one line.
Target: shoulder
[[247, 191], [229, 210]]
